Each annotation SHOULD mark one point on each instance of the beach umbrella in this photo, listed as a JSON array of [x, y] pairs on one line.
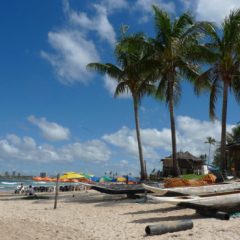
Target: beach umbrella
[[133, 179], [121, 179], [95, 179], [88, 176], [37, 178], [47, 179], [71, 175], [105, 179]]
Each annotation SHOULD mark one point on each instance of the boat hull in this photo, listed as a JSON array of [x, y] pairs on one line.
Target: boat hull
[[194, 191], [219, 201]]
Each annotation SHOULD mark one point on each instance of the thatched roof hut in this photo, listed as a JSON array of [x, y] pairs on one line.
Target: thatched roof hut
[[188, 163]]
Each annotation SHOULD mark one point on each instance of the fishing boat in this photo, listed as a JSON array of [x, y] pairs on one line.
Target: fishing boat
[[224, 201], [193, 191], [129, 189]]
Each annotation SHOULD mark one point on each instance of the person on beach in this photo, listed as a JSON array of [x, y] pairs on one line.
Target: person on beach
[[20, 189], [31, 191]]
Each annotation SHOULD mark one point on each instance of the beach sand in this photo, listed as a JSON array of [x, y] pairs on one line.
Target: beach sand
[[93, 216]]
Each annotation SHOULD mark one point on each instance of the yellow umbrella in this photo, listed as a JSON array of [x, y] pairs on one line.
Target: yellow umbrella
[[71, 175], [121, 179]]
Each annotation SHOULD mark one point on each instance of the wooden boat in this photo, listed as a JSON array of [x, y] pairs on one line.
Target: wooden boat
[[129, 189], [223, 201], [198, 190]]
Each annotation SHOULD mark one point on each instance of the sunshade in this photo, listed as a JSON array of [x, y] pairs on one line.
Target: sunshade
[[121, 179], [71, 175], [88, 176], [105, 179], [95, 179], [133, 179]]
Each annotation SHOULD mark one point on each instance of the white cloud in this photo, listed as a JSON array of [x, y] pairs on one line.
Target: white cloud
[[72, 45], [98, 23], [145, 6], [110, 84], [214, 10], [72, 53], [113, 5], [125, 139], [50, 130], [124, 162], [26, 149], [191, 135], [92, 151]]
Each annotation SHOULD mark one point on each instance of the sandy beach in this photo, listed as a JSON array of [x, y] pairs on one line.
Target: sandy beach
[[93, 216]]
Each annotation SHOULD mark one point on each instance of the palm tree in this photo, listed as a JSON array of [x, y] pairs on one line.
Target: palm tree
[[234, 135], [131, 76], [211, 141], [223, 55], [173, 44]]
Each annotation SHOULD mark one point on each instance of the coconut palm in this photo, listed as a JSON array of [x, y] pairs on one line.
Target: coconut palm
[[131, 76], [223, 48], [234, 135], [173, 44], [211, 141]]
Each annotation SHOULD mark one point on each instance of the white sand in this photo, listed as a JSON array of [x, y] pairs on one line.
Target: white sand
[[98, 216]]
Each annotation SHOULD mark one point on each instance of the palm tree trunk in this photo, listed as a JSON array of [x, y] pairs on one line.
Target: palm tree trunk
[[209, 149], [224, 122], [176, 170], [142, 163]]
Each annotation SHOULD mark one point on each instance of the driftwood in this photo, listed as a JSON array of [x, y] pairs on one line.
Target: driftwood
[[168, 227]]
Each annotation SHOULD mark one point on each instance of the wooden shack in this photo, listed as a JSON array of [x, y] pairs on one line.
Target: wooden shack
[[187, 162], [233, 158]]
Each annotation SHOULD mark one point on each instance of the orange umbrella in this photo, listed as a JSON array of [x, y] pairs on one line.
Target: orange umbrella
[[37, 179]]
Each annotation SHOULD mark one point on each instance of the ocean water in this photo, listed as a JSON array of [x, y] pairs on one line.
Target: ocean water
[[9, 185]]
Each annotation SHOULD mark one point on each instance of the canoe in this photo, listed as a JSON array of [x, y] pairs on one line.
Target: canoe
[[198, 190], [129, 189], [218, 201], [119, 189]]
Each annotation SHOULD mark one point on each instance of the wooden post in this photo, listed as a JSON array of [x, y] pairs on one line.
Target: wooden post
[[56, 192]]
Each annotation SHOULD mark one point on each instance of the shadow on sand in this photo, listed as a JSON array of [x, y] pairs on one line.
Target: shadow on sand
[[167, 218], [161, 210]]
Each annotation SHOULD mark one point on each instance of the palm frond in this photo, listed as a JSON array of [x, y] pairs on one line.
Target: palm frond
[[236, 88], [213, 98], [108, 68], [177, 92], [162, 25], [162, 89], [121, 88], [180, 25], [203, 81]]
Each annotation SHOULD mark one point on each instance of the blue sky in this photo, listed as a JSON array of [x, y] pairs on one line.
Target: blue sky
[[56, 116]]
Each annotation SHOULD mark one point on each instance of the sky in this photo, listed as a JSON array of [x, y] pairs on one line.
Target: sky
[[57, 117]]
